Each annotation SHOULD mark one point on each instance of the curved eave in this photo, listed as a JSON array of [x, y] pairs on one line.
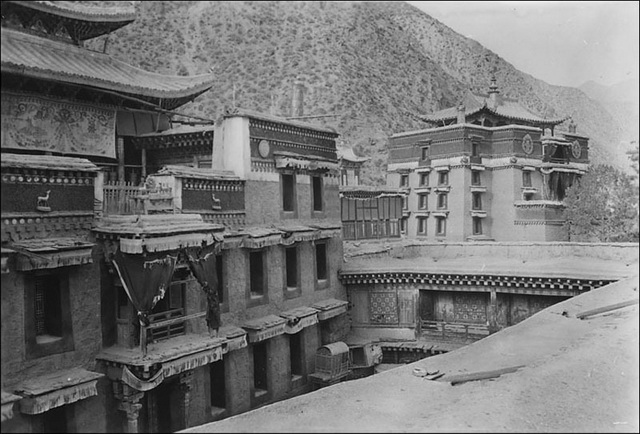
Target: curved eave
[[43, 59], [113, 12]]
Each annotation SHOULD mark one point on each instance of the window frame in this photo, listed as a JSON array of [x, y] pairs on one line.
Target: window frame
[[288, 196], [476, 201], [34, 347], [476, 223], [424, 179], [404, 180], [441, 226], [475, 177], [317, 194], [422, 225], [254, 298], [292, 291], [526, 179], [423, 201], [321, 283], [442, 201], [443, 178]]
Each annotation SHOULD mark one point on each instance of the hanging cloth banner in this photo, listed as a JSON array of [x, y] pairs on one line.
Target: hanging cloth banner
[[202, 263], [145, 278]]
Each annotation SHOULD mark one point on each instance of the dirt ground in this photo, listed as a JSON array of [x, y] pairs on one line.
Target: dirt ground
[[578, 376]]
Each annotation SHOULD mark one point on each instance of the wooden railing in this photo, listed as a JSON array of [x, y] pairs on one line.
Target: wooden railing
[[453, 330], [118, 198], [123, 198], [371, 229]]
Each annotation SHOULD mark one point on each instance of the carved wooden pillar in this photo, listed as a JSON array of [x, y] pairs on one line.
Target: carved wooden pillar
[[186, 379], [129, 403], [143, 158], [120, 152], [493, 312]]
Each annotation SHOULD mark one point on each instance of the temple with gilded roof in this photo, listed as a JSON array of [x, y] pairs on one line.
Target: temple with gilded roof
[[487, 169]]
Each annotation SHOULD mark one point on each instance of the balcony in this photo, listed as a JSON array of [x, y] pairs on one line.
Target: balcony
[[452, 331]]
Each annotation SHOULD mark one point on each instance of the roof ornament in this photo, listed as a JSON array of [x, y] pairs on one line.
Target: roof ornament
[[572, 125]]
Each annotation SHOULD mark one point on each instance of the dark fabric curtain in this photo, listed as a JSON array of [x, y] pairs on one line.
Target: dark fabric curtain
[[202, 263], [145, 278]]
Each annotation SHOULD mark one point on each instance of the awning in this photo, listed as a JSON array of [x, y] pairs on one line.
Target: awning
[[8, 400], [329, 308], [51, 253], [43, 393], [264, 328], [299, 318], [172, 367], [479, 214], [159, 232], [441, 168], [477, 167], [236, 338]]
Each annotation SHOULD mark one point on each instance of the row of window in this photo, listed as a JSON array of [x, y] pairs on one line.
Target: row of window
[[289, 196], [260, 359], [441, 225], [49, 305], [443, 179]]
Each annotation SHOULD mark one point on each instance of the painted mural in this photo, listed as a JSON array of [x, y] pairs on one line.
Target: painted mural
[[36, 123]]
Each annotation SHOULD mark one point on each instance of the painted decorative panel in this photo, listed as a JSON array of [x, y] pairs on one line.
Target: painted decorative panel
[[384, 308], [35, 123], [470, 307]]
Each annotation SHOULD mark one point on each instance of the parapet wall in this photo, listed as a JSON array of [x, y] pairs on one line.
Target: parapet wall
[[623, 252]]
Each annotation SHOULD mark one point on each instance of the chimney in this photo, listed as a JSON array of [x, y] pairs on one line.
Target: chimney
[[494, 97], [297, 100], [461, 114]]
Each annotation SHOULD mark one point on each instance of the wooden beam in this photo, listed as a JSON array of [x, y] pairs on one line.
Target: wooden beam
[[607, 308], [482, 375]]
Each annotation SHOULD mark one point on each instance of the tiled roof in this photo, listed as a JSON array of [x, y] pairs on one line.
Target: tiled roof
[[46, 59], [98, 11], [182, 129], [196, 172], [506, 108], [348, 154]]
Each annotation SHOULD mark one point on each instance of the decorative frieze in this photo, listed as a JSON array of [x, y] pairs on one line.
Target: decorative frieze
[[470, 282]]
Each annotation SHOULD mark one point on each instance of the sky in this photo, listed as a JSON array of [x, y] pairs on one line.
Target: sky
[[562, 43]]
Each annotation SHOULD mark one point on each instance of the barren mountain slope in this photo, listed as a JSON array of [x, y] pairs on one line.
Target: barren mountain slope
[[368, 63]]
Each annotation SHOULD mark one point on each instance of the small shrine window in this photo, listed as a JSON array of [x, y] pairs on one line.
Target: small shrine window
[[526, 178], [424, 179], [404, 180]]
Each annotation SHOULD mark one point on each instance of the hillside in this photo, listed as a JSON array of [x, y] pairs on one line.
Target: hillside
[[367, 63]]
